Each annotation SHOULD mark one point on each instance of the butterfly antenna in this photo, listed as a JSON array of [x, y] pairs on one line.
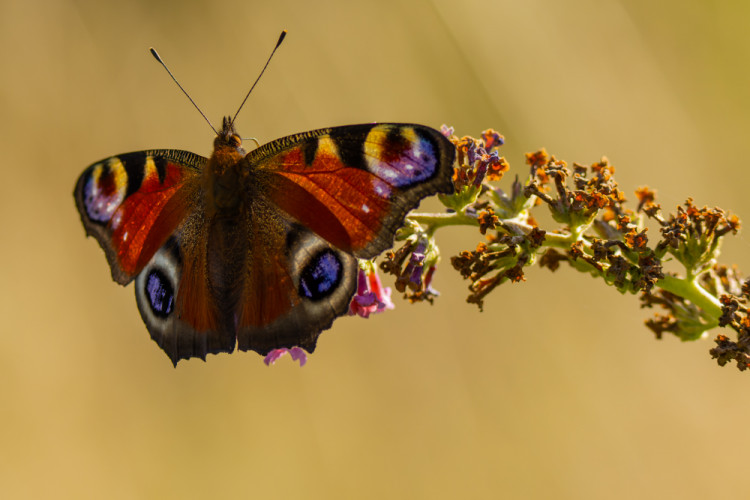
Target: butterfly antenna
[[281, 39], [158, 58]]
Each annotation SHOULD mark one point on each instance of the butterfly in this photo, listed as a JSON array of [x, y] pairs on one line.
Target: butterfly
[[257, 250]]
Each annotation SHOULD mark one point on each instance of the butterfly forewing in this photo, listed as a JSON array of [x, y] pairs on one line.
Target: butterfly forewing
[[354, 185], [131, 204]]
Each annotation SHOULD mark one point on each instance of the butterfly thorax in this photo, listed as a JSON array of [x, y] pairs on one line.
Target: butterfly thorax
[[222, 177]]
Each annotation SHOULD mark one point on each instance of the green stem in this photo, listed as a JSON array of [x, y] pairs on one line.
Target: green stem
[[691, 290], [434, 221]]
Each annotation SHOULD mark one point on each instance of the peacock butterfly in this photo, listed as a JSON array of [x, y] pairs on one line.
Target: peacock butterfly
[[257, 250]]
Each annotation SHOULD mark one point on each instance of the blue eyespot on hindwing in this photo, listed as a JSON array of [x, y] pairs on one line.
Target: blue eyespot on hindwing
[[321, 276], [159, 293]]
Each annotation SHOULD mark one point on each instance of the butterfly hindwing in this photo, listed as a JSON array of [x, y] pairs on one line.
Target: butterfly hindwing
[[177, 303], [297, 284], [354, 185], [131, 203]]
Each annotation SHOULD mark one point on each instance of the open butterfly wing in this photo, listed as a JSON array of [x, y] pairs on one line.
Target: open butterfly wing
[[354, 185], [131, 203], [295, 284], [176, 301]]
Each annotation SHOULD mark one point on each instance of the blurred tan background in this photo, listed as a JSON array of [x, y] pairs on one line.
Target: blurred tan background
[[557, 390]]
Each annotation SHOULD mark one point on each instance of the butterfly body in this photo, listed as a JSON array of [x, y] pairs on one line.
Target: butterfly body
[[257, 250]]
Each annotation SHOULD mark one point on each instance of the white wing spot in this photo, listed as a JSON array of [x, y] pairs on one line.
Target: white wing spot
[[382, 189], [116, 220], [365, 209]]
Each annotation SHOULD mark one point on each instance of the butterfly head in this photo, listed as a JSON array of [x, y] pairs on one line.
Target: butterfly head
[[228, 139]]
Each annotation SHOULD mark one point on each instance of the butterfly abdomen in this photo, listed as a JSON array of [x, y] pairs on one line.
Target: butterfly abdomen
[[226, 251]]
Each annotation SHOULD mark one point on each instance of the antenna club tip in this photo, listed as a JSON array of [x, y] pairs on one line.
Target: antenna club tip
[[155, 54], [281, 37]]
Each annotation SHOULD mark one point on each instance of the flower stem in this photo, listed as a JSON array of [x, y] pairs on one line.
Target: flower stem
[[692, 291], [434, 221]]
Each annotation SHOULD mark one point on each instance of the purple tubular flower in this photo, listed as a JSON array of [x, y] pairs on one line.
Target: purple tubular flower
[[412, 275], [364, 301], [297, 354], [480, 172], [484, 160], [446, 131], [371, 297], [416, 272], [471, 153]]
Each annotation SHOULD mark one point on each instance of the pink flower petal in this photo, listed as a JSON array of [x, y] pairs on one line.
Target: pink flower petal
[[371, 297], [297, 354]]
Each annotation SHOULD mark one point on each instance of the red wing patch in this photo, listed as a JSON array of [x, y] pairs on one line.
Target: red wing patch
[[144, 221], [131, 203], [195, 303], [338, 203], [268, 291], [354, 185]]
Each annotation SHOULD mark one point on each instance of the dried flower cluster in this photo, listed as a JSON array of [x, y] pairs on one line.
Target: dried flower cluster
[[735, 316], [596, 234]]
